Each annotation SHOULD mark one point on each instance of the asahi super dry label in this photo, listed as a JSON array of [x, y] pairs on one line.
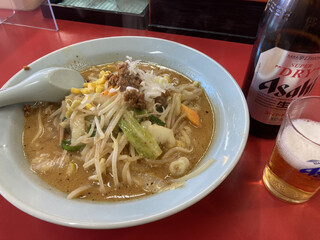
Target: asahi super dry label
[[280, 76]]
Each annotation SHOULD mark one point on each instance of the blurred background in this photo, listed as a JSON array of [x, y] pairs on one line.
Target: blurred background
[[230, 20]]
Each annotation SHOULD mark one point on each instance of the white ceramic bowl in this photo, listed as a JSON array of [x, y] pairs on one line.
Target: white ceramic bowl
[[27, 192]]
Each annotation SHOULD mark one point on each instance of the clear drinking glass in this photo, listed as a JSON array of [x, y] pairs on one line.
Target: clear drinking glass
[[293, 171]]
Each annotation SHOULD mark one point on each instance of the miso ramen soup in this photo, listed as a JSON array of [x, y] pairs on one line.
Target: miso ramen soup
[[134, 129]]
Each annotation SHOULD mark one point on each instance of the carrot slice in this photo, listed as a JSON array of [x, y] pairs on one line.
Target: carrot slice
[[108, 93], [191, 115]]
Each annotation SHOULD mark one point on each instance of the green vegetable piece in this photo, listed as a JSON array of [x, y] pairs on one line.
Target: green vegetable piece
[[156, 120], [140, 111], [143, 142], [65, 144]]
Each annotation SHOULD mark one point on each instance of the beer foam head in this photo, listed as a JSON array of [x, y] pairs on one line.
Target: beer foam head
[[296, 149]]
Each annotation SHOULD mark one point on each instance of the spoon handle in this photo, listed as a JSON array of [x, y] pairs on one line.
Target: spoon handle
[[8, 97], [50, 85]]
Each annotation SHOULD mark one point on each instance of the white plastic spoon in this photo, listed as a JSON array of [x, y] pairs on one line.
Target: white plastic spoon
[[49, 84]]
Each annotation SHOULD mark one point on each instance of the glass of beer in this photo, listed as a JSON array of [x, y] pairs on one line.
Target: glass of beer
[[293, 171]]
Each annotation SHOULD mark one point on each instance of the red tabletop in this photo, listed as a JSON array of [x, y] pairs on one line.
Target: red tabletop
[[240, 208]]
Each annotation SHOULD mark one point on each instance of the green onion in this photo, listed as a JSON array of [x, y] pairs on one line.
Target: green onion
[[65, 144], [143, 142], [156, 120], [140, 112]]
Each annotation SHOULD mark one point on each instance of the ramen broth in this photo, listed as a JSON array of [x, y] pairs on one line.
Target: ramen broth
[[45, 153]]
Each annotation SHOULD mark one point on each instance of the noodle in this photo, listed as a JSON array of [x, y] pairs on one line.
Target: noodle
[[114, 161], [40, 128], [77, 192], [178, 121], [99, 130], [176, 149]]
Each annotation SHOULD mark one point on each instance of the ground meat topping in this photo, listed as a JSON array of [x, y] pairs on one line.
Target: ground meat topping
[[129, 84], [135, 99], [123, 78], [112, 79]]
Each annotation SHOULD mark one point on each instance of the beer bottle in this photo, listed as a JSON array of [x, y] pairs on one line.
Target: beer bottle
[[284, 64]]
